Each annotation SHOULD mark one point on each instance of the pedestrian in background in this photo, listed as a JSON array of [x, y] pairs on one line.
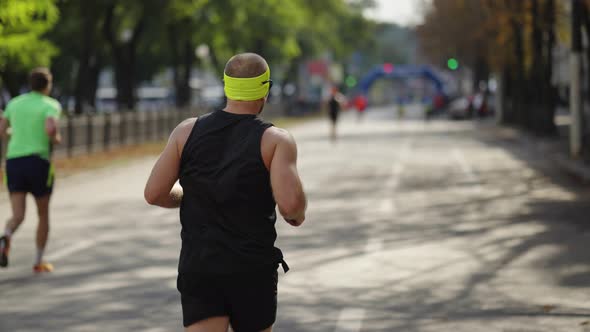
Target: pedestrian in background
[[30, 123], [360, 103], [335, 105]]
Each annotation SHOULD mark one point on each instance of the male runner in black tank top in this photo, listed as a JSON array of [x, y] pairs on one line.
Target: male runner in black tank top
[[232, 168]]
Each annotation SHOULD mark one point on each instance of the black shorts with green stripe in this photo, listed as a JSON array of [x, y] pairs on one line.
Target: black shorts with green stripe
[[30, 174]]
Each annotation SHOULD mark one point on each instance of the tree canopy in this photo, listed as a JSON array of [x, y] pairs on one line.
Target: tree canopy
[[22, 46], [513, 38], [138, 39]]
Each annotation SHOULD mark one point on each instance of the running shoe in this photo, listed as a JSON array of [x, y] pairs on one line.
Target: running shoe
[[44, 267], [4, 249]]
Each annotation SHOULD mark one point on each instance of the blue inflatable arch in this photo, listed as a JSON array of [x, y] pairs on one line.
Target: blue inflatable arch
[[400, 72]]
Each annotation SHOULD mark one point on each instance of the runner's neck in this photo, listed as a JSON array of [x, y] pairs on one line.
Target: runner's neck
[[243, 107]]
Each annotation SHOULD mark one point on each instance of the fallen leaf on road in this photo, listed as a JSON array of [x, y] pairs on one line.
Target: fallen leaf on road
[[585, 323]]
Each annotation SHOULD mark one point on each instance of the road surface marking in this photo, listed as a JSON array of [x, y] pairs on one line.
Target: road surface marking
[[350, 320], [396, 171], [398, 166], [467, 170], [374, 245], [464, 165], [387, 206], [68, 250]]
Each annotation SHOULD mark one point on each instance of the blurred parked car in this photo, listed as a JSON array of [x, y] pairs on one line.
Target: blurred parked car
[[479, 105], [459, 108]]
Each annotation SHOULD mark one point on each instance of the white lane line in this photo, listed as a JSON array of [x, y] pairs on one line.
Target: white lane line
[[467, 170], [76, 247], [350, 320], [396, 171], [374, 245], [398, 166], [404, 150], [463, 164], [68, 250], [386, 206]]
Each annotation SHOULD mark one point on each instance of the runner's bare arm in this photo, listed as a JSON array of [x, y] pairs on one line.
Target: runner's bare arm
[[52, 130], [285, 181], [160, 189], [4, 128]]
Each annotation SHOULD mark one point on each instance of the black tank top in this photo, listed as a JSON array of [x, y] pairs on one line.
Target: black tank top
[[228, 210]]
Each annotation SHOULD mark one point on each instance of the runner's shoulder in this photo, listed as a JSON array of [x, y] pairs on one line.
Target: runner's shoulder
[[181, 133], [278, 135], [16, 100], [183, 130], [51, 102], [186, 124]]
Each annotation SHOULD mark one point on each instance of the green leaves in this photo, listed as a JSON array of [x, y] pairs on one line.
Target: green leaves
[[282, 31], [22, 25]]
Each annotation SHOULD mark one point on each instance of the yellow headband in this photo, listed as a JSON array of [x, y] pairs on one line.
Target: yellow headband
[[246, 89]]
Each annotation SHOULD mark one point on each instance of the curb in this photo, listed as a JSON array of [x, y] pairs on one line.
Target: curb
[[573, 167]]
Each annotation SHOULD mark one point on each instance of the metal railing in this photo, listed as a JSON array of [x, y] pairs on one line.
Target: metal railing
[[94, 132]]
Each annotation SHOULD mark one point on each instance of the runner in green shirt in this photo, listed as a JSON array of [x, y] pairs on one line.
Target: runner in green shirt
[[30, 122]]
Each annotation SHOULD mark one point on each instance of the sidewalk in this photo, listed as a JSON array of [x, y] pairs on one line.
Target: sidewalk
[[555, 149]]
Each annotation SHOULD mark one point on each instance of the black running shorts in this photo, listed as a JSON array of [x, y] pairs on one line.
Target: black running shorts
[[31, 174], [248, 299]]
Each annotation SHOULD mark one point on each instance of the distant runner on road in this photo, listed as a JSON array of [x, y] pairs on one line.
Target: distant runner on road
[[232, 167], [360, 103], [334, 106], [30, 122]]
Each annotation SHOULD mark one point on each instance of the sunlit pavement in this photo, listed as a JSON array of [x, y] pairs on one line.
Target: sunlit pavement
[[412, 226]]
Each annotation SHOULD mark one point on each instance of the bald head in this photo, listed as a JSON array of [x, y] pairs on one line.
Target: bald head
[[246, 65]]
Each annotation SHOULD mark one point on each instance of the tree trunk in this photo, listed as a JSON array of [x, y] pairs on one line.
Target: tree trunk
[[547, 125], [293, 71], [184, 88], [481, 73], [124, 58], [585, 16], [2, 100], [124, 78], [519, 87], [509, 116], [88, 45], [94, 74], [182, 63], [259, 46], [586, 25], [173, 40], [217, 65], [83, 86], [13, 82], [535, 75]]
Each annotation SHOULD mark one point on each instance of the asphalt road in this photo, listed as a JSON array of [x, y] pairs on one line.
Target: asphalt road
[[412, 226]]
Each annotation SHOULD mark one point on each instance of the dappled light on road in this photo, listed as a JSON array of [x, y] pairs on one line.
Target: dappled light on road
[[412, 226]]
